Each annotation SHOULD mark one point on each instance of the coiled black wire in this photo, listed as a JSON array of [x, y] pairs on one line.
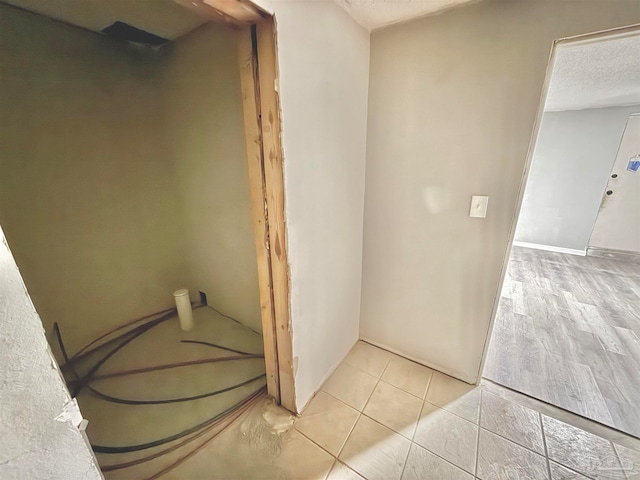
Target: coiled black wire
[[128, 337]]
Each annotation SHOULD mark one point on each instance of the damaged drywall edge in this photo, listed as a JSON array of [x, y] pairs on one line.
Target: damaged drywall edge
[[71, 413], [31, 396]]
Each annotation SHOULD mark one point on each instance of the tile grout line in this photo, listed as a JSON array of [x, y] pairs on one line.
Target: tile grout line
[[415, 430], [502, 437], [615, 450], [376, 385], [350, 430], [413, 442], [316, 444], [509, 439], [361, 412], [562, 464], [475, 468], [544, 443], [452, 413], [442, 458], [346, 439], [406, 459], [424, 398], [335, 460]]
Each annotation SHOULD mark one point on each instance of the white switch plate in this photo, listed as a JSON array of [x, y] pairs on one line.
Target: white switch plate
[[478, 206]]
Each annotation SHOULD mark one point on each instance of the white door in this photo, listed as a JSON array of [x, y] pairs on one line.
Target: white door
[[618, 224]]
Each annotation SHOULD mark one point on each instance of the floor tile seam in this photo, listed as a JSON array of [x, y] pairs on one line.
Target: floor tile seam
[[557, 411], [511, 441], [442, 458], [394, 431], [452, 413], [406, 458], [400, 388], [371, 394], [335, 457], [335, 460], [571, 469], [360, 414], [415, 430], [428, 385], [477, 459], [615, 450], [348, 435], [358, 369], [341, 401], [544, 444]]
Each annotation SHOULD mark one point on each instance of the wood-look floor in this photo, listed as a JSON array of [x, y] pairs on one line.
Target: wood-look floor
[[568, 333]]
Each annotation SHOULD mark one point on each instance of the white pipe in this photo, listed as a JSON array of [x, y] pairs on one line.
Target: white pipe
[[183, 304]]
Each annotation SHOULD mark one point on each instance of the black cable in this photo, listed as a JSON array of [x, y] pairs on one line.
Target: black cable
[[138, 331], [96, 340], [118, 466], [218, 346], [231, 318], [176, 436], [69, 362], [126, 401], [87, 378]]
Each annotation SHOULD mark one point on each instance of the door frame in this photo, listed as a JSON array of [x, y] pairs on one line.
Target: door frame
[[257, 56], [258, 63], [618, 31]]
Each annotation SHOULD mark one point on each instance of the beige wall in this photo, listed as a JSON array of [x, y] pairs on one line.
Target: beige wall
[[201, 91], [116, 187], [452, 104], [87, 198], [574, 154]]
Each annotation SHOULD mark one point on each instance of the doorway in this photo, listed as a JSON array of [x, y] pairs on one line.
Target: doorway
[[567, 325], [130, 172]]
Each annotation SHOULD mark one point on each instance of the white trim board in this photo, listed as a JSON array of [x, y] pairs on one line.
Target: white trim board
[[550, 248], [432, 366], [610, 253]]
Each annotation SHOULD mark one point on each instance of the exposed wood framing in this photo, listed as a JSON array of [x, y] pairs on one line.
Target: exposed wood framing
[[253, 140], [274, 183], [236, 12]]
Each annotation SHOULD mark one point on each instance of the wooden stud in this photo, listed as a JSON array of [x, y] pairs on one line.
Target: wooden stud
[[253, 140], [274, 182]]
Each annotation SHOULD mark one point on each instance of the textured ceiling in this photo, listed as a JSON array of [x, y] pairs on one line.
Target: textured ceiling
[[373, 14], [164, 18], [596, 73]]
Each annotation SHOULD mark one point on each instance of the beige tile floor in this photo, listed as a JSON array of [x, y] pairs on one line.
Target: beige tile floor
[[383, 417]]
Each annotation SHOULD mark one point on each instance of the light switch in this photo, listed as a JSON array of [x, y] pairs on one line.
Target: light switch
[[478, 206]]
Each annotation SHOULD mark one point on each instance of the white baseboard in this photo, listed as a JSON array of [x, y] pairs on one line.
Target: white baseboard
[[550, 248], [610, 253], [446, 371]]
